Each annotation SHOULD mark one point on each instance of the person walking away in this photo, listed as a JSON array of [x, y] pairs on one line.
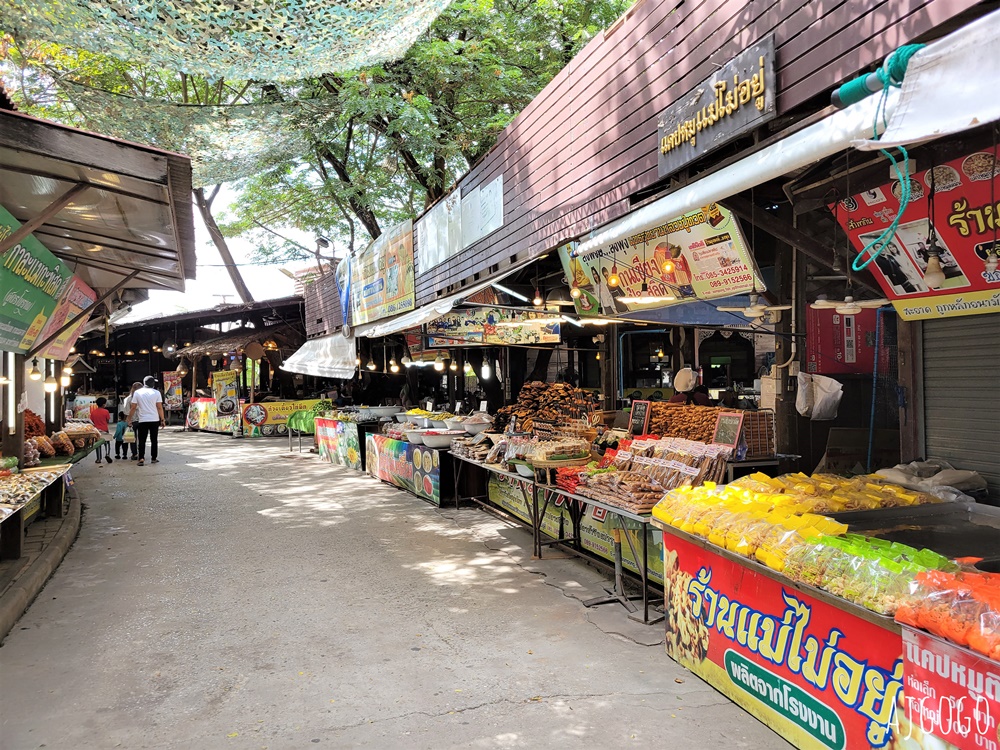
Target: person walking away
[[99, 417], [121, 447], [127, 408], [147, 411]]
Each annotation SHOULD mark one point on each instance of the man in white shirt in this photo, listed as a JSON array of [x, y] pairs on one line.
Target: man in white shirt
[[146, 412]]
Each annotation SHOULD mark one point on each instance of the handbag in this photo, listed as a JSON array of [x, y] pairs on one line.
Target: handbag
[[129, 436]]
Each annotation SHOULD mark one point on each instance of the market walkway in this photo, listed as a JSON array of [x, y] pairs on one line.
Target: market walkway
[[236, 596]]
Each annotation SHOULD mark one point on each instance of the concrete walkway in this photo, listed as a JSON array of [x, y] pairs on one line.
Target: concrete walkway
[[238, 596]]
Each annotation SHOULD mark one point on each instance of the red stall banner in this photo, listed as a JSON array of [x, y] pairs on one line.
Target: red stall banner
[[951, 694], [819, 675], [966, 200]]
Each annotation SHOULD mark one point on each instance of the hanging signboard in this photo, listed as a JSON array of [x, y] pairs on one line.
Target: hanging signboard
[[965, 193], [951, 695], [382, 276], [439, 232], [31, 282], [225, 384], [76, 299], [701, 255], [819, 676], [482, 211], [173, 396], [271, 417], [737, 98], [484, 326]]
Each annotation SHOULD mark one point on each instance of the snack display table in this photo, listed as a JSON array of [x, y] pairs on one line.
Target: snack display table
[[48, 499]]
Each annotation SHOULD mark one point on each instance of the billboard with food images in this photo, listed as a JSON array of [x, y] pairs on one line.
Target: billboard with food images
[[963, 229]]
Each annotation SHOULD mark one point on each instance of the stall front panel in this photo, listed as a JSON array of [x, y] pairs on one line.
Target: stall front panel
[[820, 675], [416, 468], [339, 442]]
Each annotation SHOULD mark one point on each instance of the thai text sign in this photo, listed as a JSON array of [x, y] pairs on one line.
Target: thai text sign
[[816, 674], [701, 255], [966, 206], [492, 327], [271, 417], [31, 282], [77, 298], [173, 395], [382, 276], [734, 100], [951, 694]]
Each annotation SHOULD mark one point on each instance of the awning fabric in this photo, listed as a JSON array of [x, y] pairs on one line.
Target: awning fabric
[[435, 310], [829, 136], [948, 87], [327, 357], [697, 313]]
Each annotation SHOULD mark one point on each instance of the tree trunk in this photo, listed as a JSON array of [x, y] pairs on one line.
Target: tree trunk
[[205, 207]]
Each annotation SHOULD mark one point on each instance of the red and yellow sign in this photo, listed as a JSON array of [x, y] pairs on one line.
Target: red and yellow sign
[[966, 206], [815, 673]]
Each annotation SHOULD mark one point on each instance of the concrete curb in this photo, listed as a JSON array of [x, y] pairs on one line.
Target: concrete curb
[[31, 581]]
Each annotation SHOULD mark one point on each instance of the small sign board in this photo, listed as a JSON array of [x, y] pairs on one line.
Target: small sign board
[[728, 427], [734, 100], [482, 407], [638, 419]]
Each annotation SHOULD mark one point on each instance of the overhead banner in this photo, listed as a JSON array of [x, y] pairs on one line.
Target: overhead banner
[[31, 282], [76, 299], [173, 395], [966, 203], [701, 255], [439, 232], [382, 276], [492, 327]]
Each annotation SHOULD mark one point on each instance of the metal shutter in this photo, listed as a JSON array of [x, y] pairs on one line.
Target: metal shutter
[[961, 397]]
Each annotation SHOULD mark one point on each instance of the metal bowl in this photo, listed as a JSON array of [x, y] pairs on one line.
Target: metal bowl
[[474, 428], [415, 436]]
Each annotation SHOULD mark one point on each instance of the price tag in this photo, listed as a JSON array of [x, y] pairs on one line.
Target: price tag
[[482, 406], [430, 406]]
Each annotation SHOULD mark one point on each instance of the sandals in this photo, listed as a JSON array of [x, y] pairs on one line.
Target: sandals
[[140, 463]]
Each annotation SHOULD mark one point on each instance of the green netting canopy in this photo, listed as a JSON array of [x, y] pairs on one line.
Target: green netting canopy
[[265, 40]]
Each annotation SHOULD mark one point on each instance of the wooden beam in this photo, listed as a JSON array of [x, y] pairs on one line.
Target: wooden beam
[[780, 230], [47, 213]]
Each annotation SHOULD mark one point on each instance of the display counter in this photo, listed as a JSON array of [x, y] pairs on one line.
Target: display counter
[[344, 443], [426, 472], [30, 493]]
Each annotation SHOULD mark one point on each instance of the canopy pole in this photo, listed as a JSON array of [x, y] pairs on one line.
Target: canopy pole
[[70, 323], [47, 213]]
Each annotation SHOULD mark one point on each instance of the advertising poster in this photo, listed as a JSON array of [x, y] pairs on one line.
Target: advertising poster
[[338, 442], [952, 695], [382, 276], [271, 417], [817, 675], [513, 496], [77, 298], [965, 228], [701, 255], [31, 282], [173, 397], [202, 415], [412, 467], [225, 388], [439, 232], [492, 327]]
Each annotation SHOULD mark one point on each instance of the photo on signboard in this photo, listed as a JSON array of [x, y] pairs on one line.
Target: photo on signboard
[[914, 236], [897, 266]]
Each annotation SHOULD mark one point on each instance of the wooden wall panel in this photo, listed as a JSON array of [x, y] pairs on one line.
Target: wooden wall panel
[[322, 306], [587, 142]]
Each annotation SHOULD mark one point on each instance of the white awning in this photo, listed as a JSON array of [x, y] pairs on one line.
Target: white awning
[[948, 88], [829, 136], [327, 357], [430, 312]]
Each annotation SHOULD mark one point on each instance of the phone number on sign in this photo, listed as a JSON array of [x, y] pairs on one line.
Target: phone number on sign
[[948, 715], [718, 283]]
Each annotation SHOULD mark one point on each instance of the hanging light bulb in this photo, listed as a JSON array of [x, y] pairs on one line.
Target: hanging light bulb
[[613, 279], [537, 301], [371, 365], [144, 351], [439, 363], [64, 381], [50, 384], [486, 369], [129, 353], [468, 369], [393, 367], [357, 361], [668, 266], [406, 360], [35, 373], [68, 369], [453, 366], [182, 367], [934, 276], [659, 353], [574, 291], [598, 356]]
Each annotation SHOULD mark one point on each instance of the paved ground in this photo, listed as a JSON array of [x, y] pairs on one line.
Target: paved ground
[[236, 596]]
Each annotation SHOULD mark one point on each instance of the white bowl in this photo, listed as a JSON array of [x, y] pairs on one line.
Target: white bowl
[[440, 423], [440, 440], [525, 471], [384, 411], [415, 436], [474, 428], [402, 417], [454, 424]]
